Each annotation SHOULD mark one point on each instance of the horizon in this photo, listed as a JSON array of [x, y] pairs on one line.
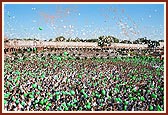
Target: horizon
[[85, 21]]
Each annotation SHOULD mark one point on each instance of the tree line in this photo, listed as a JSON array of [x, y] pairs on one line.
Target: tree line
[[103, 40]]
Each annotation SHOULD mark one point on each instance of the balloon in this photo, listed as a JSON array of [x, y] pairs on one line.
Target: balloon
[[8, 14], [40, 28]]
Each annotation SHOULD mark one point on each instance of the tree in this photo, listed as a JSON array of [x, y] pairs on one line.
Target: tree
[[115, 40], [101, 41], [60, 39], [107, 40], [50, 40], [135, 42], [160, 40], [126, 41], [77, 39], [153, 44], [92, 40]]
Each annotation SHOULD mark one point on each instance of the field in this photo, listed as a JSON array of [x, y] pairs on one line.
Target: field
[[46, 82]]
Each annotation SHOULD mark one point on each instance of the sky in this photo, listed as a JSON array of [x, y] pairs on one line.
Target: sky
[[85, 21]]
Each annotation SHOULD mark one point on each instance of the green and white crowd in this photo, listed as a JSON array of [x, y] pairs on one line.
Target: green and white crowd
[[46, 82]]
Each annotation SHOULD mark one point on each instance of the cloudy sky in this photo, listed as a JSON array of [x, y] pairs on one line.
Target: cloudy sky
[[46, 21]]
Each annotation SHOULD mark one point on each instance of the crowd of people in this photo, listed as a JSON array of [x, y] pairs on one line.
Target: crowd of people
[[48, 82]]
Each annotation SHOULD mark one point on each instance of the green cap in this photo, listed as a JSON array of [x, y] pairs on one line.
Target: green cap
[[159, 108], [36, 101], [6, 95], [80, 76], [47, 107], [95, 84], [80, 108], [57, 97], [142, 98], [153, 95], [125, 107], [34, 85], [103, 92], [130, 95], [126, 102], [22, 103], [31, 96], [161, 89], [139, 94], [134, 98], [88, 106], [75, 101], [65, 53], [38, 92], [41, 102], [17, 101], [151, 108], [85, 95], [72, 92], [116, 99], [5, 102], [49, 104], [66, 108], [45, 100], [57, 93], [68, 104], [13, 98]]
